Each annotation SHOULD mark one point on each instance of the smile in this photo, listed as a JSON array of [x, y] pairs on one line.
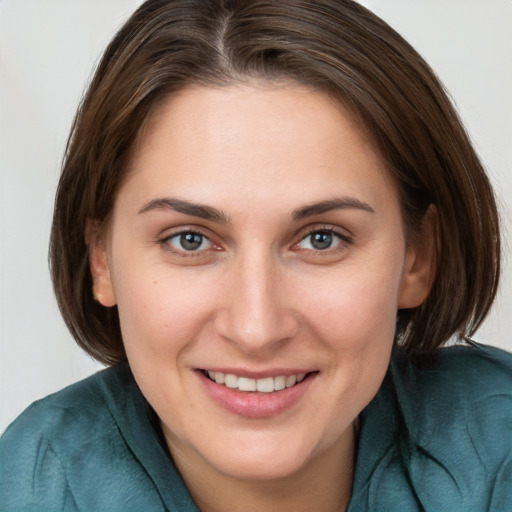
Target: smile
[[252, 397], [265, 385]]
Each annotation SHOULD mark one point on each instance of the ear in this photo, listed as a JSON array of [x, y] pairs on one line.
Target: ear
[[420, 263], [102, 287]]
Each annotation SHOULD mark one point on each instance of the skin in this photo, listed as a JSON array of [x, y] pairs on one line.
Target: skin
[[258, 295]]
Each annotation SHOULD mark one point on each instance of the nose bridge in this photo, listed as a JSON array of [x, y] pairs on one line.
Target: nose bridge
[[255, 315]]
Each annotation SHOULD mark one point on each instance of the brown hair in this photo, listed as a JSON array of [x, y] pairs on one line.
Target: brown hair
[[336, 46]]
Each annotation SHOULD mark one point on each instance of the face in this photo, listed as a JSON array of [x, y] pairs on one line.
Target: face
[[257, 256]]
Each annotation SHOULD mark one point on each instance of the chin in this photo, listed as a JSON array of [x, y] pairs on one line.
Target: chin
[[275, 468], [262, 459]]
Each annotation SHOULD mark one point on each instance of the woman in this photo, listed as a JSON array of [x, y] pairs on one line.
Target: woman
[[269, 220]]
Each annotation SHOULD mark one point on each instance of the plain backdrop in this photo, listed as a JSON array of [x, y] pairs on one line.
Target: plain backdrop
[[48, 49]]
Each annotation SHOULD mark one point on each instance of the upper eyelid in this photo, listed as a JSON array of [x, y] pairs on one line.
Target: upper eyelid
[[343, 233], [172, 232], [327, 229], [343, 240]]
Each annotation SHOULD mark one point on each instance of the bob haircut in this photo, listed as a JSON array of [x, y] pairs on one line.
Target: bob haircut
[[334, 46]]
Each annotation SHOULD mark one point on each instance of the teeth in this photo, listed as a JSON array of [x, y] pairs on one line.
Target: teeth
[[245, 384], [266, 385], [291, 380], [279, 383], [231, 381]]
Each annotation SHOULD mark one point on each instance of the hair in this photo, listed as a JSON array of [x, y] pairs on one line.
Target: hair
[[334, 46]]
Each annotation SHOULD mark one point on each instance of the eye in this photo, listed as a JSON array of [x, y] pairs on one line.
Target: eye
[[322, 240], [188, 241]]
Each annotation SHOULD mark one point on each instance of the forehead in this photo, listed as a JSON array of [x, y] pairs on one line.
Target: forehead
[[256, 110], [256, 141]]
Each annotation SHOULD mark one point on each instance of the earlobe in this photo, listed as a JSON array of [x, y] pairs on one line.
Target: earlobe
[[102, 287], [420, 263]]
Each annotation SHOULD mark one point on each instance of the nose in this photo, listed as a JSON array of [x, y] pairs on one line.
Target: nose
[[255, 312]]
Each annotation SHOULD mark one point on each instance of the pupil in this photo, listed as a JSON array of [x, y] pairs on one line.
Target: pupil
[[191, 241], [321, 240]]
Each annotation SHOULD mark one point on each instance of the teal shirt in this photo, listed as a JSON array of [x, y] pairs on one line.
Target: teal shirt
[[435, 438]]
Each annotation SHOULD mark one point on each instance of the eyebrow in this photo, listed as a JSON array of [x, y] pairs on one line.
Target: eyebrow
[[340, 203], [187, 208], [213, 214]]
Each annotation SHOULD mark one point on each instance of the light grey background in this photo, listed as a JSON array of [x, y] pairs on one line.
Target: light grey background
[[47, 51]]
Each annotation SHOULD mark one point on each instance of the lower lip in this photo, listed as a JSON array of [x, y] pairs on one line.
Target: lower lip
[[254, 404]]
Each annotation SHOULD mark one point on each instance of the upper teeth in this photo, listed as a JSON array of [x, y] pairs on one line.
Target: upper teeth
[[266, 385]]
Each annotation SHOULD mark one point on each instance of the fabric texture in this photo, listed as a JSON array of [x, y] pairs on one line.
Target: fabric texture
[[436, 438]]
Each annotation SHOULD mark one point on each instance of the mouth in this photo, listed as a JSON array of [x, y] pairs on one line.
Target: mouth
[[248, 384], [256, 396]]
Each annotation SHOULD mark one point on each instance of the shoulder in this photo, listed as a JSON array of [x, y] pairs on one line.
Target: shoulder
[[78, 407], [438, 435], [456, 413], [469, 384], [55, 444], [455, 373], [476, 364]]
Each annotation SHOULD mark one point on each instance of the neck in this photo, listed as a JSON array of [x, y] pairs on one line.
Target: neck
[[324, 483]]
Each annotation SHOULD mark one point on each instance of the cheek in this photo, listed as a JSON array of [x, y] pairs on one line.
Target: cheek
[[163, 319], [162, 311], [356, 307]]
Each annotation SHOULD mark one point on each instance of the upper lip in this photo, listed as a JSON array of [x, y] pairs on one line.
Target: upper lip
[[261, 374]]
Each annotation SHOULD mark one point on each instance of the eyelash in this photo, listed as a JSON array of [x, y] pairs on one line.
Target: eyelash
[[165, 243], [345, 240], [343, 243]]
